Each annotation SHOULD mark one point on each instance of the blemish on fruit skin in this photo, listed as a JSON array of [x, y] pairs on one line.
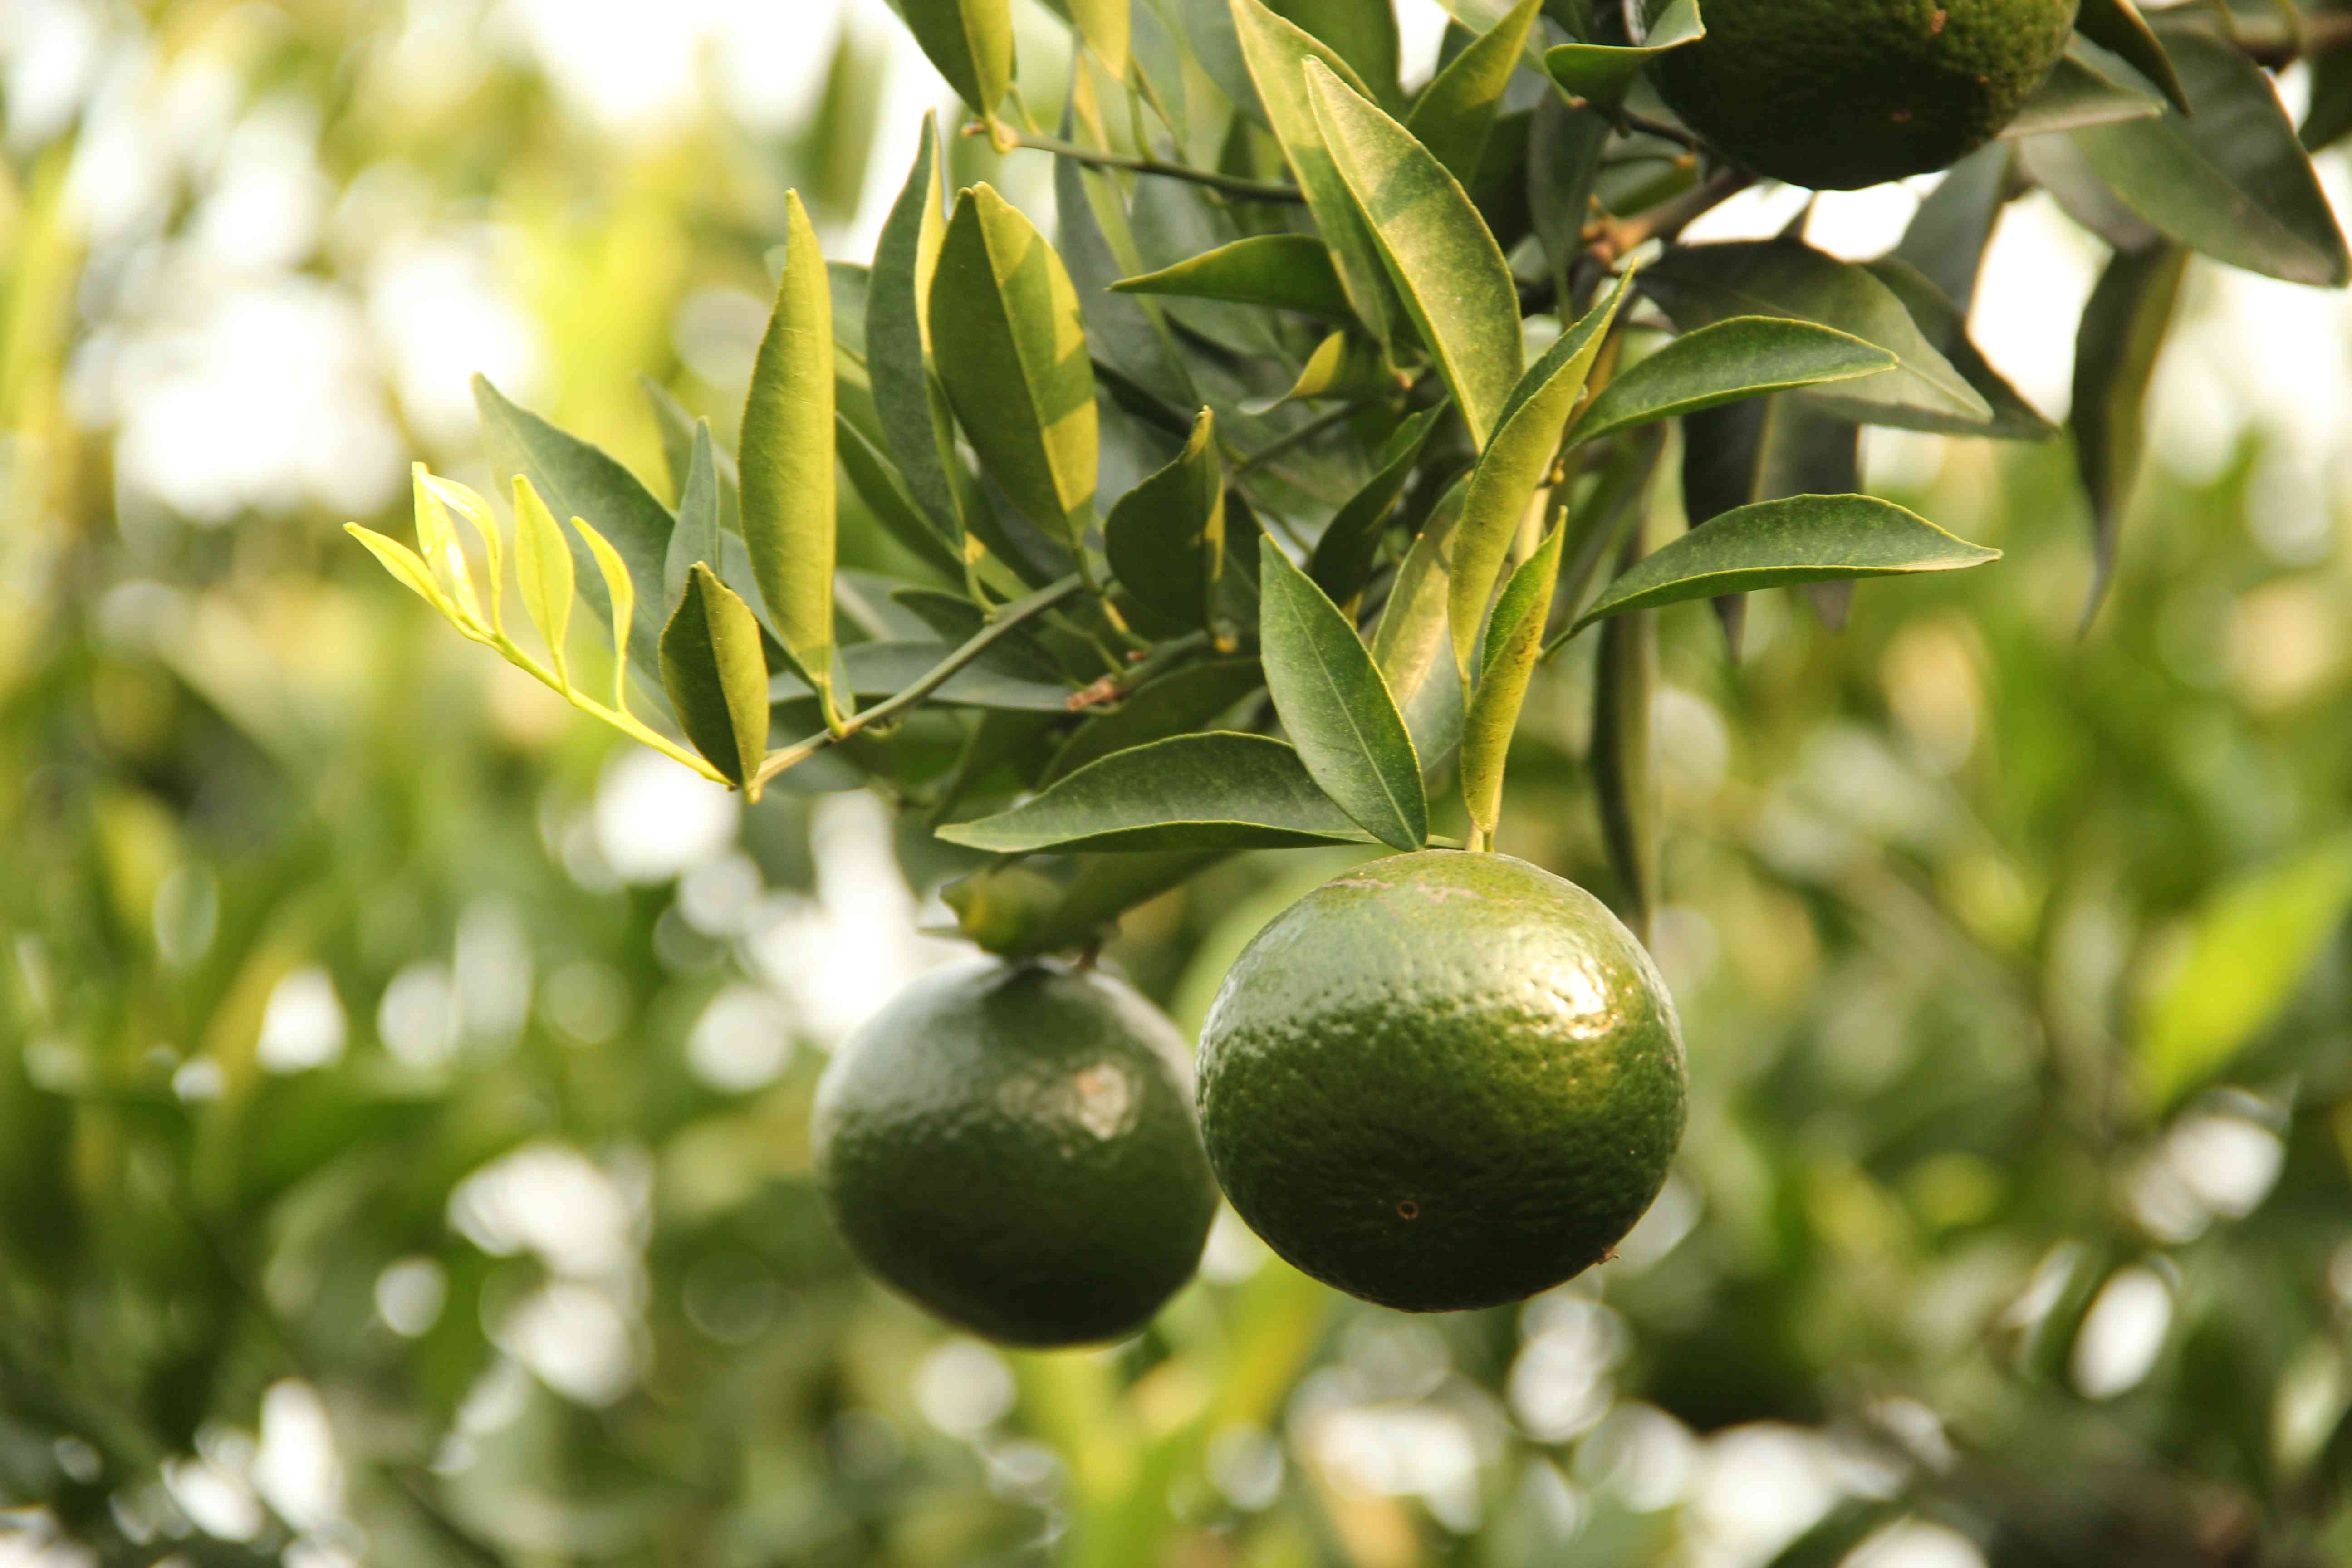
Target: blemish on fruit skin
[[1408, 1209], [1935, 21], [1901, 117]]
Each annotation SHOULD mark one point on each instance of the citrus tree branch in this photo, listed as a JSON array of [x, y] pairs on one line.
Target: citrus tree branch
[[1231, 184], [1001, 624]]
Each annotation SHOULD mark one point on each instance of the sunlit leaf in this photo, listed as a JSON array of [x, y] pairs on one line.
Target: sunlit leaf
[[405, 566], [1514, 467], [716, 676], [915, 431], [1363, 32], [544, 573], [1166, 537], [1514, 638], [2249, 946], [1444, 266], [1802, 539], [1336, 707], [1412, 623], [621, 594], [971, 42], [787, 459], [1211, 791], [1012, 353], [1342, 366], [1741, 357], [2115, 350]]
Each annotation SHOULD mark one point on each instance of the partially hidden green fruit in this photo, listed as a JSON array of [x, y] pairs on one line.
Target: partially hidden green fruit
[[1839, 94], [1443, 1080], [1013, 1146]]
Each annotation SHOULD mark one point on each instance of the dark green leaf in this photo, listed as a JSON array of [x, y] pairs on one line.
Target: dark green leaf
[[1172, 704], [1731, 360], [578, 479], [908, 402], [1277, 53], [787, 459], [1363, 32], [1129, 337], [2115, 350], [2234, 182], [1335, 706], [2118, 26], [1514, 467], [1010, 349], [716, 676], [1514, 638], [1166, 537], [1211, 791], [1698, 285], [883, 668], [1802, 538], [1767, 450], [1601, 72], [1625, 758], [884, 489], [1290, 271], [1947, 238], [1455, 114], [1564, 146], [1942, 323], [2077, 94], [1018, 911], [1343, 555], [1444, 264], [2330, 116]]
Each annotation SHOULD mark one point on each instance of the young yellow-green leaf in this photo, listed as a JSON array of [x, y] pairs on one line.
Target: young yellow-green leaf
[[1802, 538], [1276, 53], [1166, 537], [463, 500], [916, 430], [621, 594], [1343, 555], [1342, 366], [1455, 112], [1289, 271], [1412, 623], [1698, 285], [405, 566], [2234, 182], [2249, 946], [971, 42], [1601, 72], [1103, 25], [2123, 330], [543, 569], [1211, 791], [578, 479], [2118, 26], [1514, 638], [1741, 357], [1444, 264], [1010, 349], [786, 458], [1172, 704], [1335, 706], [717, 676], [696, 536], [1513, 467]]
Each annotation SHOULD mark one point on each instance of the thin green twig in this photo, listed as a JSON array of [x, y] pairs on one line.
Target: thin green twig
[[1231, 184]]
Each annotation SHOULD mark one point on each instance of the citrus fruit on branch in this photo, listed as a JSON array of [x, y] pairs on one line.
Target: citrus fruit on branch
[[1013, 1147], [1443, 1080], [1839, 94]]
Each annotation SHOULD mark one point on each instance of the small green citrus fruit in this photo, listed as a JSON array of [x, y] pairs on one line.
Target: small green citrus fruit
[[1013, 1146], [1443, 1080], [1839, 94]]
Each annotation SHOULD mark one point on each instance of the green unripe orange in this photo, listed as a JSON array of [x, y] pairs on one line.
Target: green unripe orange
[[1013, 1146], [1839, 94], [1443, 1080]]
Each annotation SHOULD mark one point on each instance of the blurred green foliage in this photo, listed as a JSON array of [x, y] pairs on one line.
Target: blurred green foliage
[[366, 1059]]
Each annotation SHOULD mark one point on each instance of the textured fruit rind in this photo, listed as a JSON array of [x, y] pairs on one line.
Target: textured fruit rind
[[1443, 1080], [1839, 94], [1015, 1147]]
